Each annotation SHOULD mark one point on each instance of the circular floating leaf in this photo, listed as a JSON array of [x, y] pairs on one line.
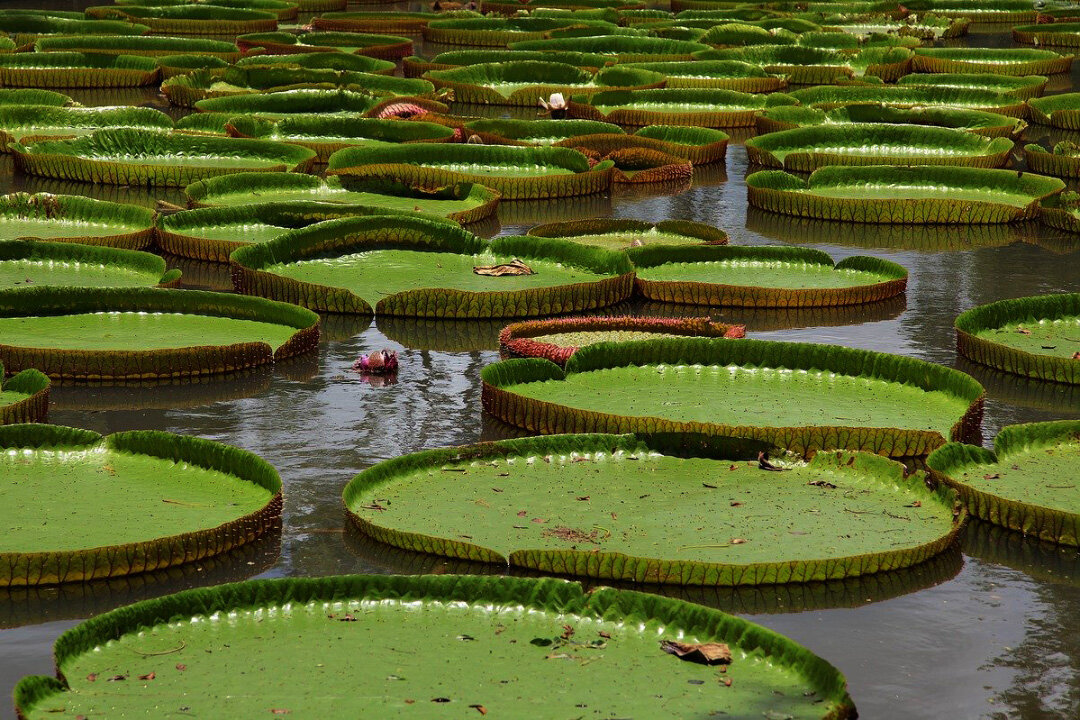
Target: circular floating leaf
[[32, 263], [1064, 161], [26, 27], [383, 47], [1061, 212], [1058, 34], [788, 117], [517, 173], [798, 396], [76, 70], [462, 202], [190, 19], [143, 157], [895, 194], [1028, 483], [146, 500], [557, 634], [323, 60], [716, 517], [983, 11], [493, 31], [809, 148], [1023, 87], [27, 124], [718, 74], [626, 48], [827, 97], [24, 398], [74, 218], [417, 267], [138, 333], [139, 45], [522, 82], [381, 22], [762, 276], [502, 131], [24, 96], [999, 61], [695, 107], [417, 66], [808, 65], [556, 340], [173, 65], [1034, 336], [278, 104], [1061, 111], [620, 234]]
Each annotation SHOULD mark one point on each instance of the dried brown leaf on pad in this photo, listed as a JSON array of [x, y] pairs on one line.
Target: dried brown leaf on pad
[[514, 267], [704, 653]]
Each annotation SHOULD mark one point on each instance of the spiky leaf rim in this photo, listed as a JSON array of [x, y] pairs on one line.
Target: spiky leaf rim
[[31, 409], [58, 207]]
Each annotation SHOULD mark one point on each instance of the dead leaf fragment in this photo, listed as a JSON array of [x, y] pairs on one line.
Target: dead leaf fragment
[[514, 267], [280, 711], [736, 503], [148, 676], [1076, 356], [480, 709], [764, 464], [181, 667], [704, 653], [726, 681], [992, 476], [822, 484], [117, 678], [738, 541], [92, 677]]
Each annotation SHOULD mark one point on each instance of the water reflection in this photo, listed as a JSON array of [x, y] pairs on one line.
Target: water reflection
[[443, 335], [517, 216], [766, 319], [164, 395]]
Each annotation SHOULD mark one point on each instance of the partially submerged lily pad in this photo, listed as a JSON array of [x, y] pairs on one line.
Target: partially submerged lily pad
[[620, 234], [74, 218], [557, 634], [762, 276], [33, 263], [145, 157], [710, 517], [415, 267], [1036, 336], [1027, 483], [1056, 34], [896, 194], [147, 500], [557, 339], [140, 333], [543, 131], [24, 398], [846, 398]]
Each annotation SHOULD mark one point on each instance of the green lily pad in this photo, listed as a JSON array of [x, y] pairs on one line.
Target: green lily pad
[[1028, 483], [788, 117], [762, 276], [809, 148], [1057, 34], [125, 156], [27, 96], [983, 11], [416, 66], [76, 70], [488, 624], [383, 21], [999, 61], [383, 47], [33, 263], [173, 65], [74, 218], [190, 19], [517, 173], [798, 396], [1062, 161], [626, 48], [522, 82], [544, 131], [827, 97], [1034, 336], [620, 234], [494, 31], [1023, 87], [719, 74], [462, 202], [279, 104], [28, 27], [676, 106], [26, 124], [141, 333], [147, 500], [323, 60], [423, 268], [896, 194], [139, 45], [923, 27], [24, 398], [565, 504], [809, 65], [1060, 111]]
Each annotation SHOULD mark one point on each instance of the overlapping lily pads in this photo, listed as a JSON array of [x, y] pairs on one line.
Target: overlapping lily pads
[[146, 334], [677, 106], [1023, 87], [517, 173], [24, 398], [279, 104], [626, 48], [147, 500], [1062, 161], [417, 66], [140, 45], [74, 218], [809, 148], [720, 74], [1024, 483], [620, 234], [76, 70], [543, 131], [395, 21], [522, 82], [327, 135], [26, 124], [462, 202], [194, 19], [26, 28], [809, 65], [322, 60], [384, 47], [173, 65], [762, 276], [799, 396], [826, 97], [897, 194], [985, 11], [143, 157], [999, 61], [406, 620], [788, 117], [1037, 337], [556, 340], [34, 263], [1060, 111], [416, 267], [1062, 211], [494, 31]]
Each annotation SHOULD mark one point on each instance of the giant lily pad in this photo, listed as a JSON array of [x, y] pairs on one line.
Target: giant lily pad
[[896, 194], [212, 233], [26, 124], [190, 19], [1036, 337], [144, 157], [27, 96], [139, 333], [323, 60], [620, 234], [1025, 484], [788, 117], [384, 47], [715, 518], [74, 218], [274, 105], [147, 500], [1023, 87], [1062, 211], [24, 398], [1062, 161], [1060, 111], [806, 149], [25, 29], [517, 173], [626, 48], [827, 97], [139, 45], [557, 339], [496, 31], [720, 74], [522, 82], [422, 268], [676, 106], [33, 263], [1058, 34], [799, 396], [999, 61], [488, 624], [394, 21], [417, 66], [76, 70], [807, 65], [544, 131], [762, 276], [985, 11]]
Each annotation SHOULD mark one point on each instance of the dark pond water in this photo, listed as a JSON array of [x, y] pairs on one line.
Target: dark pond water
[[989, 631]]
